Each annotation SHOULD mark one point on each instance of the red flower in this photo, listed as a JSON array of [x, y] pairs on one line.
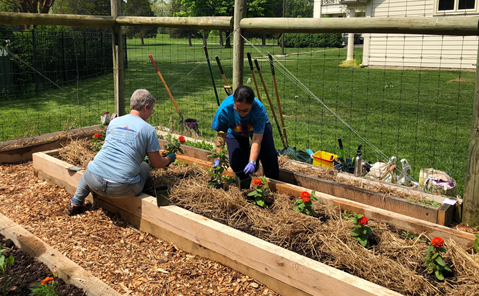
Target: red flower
[[96, 135], [304, 194], [106, 112], [437, 242], [257, 182], [47, 280], [181, 139], [305, 198], [363, 221]]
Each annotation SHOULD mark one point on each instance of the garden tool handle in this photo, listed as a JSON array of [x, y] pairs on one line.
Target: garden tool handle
[[271, 63], [219, 65], [166, 86], [250, 61]]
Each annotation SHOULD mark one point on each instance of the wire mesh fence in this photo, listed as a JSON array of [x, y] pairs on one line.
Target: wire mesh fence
[[408, 96]]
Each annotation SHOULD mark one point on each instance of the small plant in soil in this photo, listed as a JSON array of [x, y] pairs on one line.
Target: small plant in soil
[[97, 141], [217, 178], [360, 233], [408, 235], [4, 261], [46, 287], [260, 191], [304, 203], [435, 262], [476, 244]]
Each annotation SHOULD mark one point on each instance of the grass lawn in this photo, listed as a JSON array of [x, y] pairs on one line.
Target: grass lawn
[[421, 115]]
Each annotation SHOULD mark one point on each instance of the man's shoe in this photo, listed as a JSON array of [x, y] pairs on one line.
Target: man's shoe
[[75, 210]]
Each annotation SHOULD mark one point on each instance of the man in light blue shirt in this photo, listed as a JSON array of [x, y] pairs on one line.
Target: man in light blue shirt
[[118, 170]]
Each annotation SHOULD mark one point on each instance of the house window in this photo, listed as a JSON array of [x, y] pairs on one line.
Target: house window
[[456, 6]]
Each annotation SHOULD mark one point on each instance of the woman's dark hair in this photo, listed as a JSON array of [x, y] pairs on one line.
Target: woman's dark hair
[[244, 94]]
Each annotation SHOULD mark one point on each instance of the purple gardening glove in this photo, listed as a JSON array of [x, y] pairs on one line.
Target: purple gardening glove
[[249, 168]]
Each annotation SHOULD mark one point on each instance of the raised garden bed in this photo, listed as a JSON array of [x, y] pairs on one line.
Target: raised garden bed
[[280, 269]]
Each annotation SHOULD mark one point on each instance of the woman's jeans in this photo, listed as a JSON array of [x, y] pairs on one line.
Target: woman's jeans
[[91, 183]]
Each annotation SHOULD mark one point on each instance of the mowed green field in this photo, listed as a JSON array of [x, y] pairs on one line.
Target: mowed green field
[[421, 115]]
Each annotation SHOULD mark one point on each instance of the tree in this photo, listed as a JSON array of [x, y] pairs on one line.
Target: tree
[[28, 6], [139, 8], [161, 8], [299, 8], [84, 7]]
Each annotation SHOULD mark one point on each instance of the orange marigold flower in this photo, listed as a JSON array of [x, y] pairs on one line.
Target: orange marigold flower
[[363, 221], [437, 242], [257, 182], [305, 198], [47, 280], [96, 135], [181, 139]]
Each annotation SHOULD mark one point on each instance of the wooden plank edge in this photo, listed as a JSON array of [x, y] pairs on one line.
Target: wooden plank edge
[[69, 271], [404, 222], [284, 271], [25, 153]]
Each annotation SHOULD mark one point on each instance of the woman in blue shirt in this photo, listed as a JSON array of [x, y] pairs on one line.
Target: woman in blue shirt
[[239, 118]]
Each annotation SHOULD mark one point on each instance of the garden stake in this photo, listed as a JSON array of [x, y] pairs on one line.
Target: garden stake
[[227, 86], [277, 98], [254, 77], [269, 100], [167, 89], [211, 74]]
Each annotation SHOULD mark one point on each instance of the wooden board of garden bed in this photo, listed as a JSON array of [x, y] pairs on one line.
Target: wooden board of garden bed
[[13, 151], [67, 270], [284, 271], [441, 215]]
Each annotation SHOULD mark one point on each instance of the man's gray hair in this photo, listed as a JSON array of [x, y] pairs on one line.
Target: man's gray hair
[[141, 98]]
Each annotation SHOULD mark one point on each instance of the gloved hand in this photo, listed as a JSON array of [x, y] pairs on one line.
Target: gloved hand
[[172, 157], [216, 163], [249, 168]]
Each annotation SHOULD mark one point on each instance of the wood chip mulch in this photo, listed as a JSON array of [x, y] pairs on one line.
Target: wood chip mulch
[[130, 261]]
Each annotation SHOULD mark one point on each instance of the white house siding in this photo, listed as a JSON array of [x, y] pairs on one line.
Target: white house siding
[[408, 50]]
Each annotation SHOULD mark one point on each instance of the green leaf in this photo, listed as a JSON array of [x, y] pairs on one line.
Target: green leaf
[[447, 268], [476, 243], [354, 232], [2, 260], [442, 249], [439, 275], [430, 249], [363, 242], [440, 261]]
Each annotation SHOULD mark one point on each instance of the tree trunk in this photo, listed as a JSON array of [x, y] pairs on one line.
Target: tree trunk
[[142, 41], [263, 40], [205, 42], [228, 40], [189, 40], [221, 38]]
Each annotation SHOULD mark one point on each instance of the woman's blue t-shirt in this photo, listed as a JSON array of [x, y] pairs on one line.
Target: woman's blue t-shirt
[[228, 120]]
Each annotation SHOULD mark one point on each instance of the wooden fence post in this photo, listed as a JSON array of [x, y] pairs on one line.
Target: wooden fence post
[[238, 46], [118, 68], [470, 213]]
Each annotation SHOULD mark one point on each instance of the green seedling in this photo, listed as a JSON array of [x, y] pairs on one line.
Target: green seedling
[[3, 266]]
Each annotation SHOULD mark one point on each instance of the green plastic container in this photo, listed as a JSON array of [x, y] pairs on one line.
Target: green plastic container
[[162, 194], [243, 181]]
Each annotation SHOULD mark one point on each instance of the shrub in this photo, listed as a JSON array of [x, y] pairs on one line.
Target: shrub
[[299, 40]]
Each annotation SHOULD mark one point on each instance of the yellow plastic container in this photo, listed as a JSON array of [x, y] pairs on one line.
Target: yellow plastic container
[[324, 159]]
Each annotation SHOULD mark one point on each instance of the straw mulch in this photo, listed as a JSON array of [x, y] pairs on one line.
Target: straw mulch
[[394, 261]]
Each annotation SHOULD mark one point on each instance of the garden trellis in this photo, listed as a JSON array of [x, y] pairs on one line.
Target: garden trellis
[[352, 93]]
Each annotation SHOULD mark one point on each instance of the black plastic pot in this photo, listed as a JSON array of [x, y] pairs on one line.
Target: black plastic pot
[[243, 181], [162, 194]]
